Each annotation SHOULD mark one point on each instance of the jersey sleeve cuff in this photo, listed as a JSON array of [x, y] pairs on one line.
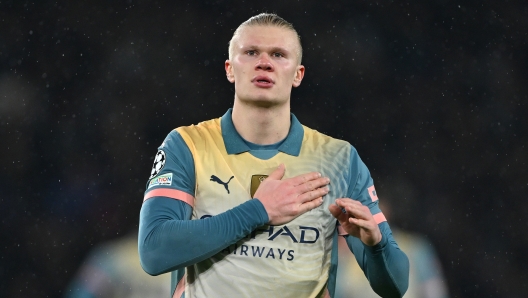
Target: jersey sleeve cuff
[[378, 248], [255, 207]]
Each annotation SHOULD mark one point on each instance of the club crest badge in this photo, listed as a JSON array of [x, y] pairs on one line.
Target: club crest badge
[[256, 180], [159, 163]]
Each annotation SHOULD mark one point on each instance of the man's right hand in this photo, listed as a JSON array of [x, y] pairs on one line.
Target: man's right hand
[[287, 199]]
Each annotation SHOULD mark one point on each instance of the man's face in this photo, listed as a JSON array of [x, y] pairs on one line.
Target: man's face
[[264, 65]]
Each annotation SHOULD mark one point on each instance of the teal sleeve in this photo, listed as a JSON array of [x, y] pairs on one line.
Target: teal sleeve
[[179, 163], [169, 240], [384, 264]]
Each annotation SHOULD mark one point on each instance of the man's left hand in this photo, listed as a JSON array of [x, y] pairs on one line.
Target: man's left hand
[[357, 221]]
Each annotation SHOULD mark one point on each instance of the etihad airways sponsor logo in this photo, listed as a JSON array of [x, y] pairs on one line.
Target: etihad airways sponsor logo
[[299, 234], [296, 234], [305, 235], [259, 252]]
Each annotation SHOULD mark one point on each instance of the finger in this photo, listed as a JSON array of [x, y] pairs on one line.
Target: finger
[[354, 209], [307, 206], [335, 210], [359, 212], [342, 202], [314, 194], [359, 222], [278, 173], [303, 178], [338, 213], [347, 204], [312, 184]]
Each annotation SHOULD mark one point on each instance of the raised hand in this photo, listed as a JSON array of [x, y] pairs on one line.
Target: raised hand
[[286, 199], [357, 221]]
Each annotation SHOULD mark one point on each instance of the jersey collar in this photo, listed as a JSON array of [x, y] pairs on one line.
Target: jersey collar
[[235, 144]]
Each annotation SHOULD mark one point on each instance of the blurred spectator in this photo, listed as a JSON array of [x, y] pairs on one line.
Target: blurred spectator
[[426, 278], [113, 270]]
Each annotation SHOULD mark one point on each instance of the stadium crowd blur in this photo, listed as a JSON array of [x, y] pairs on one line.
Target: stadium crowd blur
[[432, 94]]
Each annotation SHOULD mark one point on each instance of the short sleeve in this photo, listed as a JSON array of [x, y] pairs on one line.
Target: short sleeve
[[361, 186], [173, 170]]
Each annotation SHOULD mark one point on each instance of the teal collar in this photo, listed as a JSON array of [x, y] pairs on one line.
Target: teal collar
[[235, 144]]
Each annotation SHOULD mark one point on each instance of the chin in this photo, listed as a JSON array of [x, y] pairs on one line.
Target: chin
[[262, 100], [265, 102]]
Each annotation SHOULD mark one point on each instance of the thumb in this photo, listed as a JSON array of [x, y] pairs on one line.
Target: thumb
[[278, 173], [337, 212]]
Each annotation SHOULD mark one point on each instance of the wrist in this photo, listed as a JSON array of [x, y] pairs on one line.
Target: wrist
[[264, 215], [375, 240]]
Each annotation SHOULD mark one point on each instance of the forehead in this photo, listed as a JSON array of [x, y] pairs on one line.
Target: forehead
[[267, 36]]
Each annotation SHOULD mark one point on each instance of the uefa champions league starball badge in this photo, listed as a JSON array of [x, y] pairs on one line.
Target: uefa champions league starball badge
[[159, 163]]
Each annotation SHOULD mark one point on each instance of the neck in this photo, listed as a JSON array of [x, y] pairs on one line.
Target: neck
[[261, 125]]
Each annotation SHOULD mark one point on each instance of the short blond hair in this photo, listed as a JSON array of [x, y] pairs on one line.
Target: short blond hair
[[266, 19]]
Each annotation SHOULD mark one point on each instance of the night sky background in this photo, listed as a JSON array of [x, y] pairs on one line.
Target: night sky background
[[433, 94]]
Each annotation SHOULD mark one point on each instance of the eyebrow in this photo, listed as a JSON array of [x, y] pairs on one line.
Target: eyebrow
[[272, 49]]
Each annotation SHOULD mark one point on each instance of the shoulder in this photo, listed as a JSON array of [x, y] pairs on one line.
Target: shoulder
[[173, 143], [312, 133], [197, 136], [312, 136], [200, 128]]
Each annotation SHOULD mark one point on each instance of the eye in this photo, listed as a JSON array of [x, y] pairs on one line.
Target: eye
[[251, 53], [278, 55]]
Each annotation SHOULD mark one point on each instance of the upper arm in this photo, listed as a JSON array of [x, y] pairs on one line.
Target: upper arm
[[173, 172], [361, 186]]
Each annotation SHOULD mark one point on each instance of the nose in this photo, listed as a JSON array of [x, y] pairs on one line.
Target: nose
[[264, 63]]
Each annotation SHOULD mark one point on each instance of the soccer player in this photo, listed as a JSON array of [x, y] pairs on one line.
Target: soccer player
[[251, 204]]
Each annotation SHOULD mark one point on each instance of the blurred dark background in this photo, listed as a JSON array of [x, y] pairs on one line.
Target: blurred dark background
[[432, 94]]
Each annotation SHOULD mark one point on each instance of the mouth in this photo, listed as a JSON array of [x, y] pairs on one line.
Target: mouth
[[263, 81]]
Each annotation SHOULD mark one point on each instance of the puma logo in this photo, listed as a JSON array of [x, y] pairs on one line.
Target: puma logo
[[225, 184]]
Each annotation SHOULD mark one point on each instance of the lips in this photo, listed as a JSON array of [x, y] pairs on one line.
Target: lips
[[263, 81]]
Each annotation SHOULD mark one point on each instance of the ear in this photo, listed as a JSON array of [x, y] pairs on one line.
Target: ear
[[229, 71], [299, 75]]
